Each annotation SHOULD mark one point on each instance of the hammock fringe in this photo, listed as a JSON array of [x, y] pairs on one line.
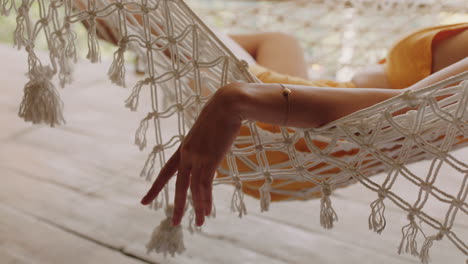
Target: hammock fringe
[[191, 226], [21, 21], [424, 255], [140, 134], [157, 203], [166, 238], [58, 49], [377, 221], [41, 102], [6, 6], [134, 98], [265, 196], [327, 214], [408, 242], [116, 71], [148, 168], [237, 201], [93, 46]]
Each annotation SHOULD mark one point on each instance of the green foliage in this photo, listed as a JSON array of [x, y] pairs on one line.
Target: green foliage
[[8, 26]]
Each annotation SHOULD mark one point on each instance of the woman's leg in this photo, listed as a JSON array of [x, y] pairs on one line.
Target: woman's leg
[[276, 51], [372, 76]]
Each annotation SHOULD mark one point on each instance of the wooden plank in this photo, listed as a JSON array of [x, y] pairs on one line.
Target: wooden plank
[[110, 223], [305, 239], [115, 225], [296, 235], [122, 187], [26, 239], [352, 228]]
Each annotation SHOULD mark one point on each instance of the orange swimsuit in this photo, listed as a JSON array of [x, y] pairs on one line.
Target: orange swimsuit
[[410, 59]]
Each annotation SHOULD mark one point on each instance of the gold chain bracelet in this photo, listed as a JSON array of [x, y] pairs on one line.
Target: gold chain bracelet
[[286, 93]]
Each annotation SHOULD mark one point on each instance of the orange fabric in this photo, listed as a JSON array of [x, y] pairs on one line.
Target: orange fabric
[[268, 76], [410, 59]]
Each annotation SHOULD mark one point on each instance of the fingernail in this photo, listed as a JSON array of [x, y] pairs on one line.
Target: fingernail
[[143, 201]]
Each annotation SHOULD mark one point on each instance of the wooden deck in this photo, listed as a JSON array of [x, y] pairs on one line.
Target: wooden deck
[[71, 195]]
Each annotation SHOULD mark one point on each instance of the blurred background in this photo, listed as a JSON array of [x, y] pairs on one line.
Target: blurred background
[[71, 194], [338, 36]]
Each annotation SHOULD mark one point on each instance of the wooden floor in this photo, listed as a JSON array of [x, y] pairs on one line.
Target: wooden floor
[[71, 195]]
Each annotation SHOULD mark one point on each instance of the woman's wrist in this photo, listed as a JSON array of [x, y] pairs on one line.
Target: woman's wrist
[[257, 102], [232, 99]]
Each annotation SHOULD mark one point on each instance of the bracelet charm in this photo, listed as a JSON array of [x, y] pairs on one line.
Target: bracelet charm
[[286, 93]]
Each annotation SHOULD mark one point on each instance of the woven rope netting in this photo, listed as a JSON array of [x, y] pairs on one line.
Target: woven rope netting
[[183, 56]]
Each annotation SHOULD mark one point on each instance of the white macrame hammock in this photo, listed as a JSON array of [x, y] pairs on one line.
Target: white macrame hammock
[[173, 84]]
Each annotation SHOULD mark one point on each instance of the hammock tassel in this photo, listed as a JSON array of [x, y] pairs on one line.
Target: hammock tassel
[[116, 71], [265, 196], [191, 220], [167, 238], [377, 221], [191, 227], [134, 98], [18, 35], [41, 102], [140, 135], [66, 70], [237, 201], [148, 169], [424, 255], [327, 213], [213, 211], [157, 203], [5, 11], [93, 45], [57, 49], [70, 48], [408, 242]]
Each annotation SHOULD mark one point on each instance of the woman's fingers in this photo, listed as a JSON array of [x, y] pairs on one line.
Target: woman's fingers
[[195, 187], [164, 176], [182, 185], [198, 178]]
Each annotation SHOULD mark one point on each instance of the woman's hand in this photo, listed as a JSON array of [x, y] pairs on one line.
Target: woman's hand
[[200, 154]]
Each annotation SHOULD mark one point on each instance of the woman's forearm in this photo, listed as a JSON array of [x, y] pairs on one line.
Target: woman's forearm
[[317, 106], [276, 51], [308, 106]]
